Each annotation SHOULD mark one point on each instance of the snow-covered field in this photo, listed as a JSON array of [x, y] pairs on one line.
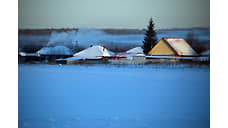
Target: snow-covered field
[[108, 96]]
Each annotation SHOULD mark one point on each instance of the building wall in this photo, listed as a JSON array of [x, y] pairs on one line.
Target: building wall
[[161, 48]]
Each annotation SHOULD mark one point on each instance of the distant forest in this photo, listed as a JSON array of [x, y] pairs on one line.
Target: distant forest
[[34, 45], [108, 31]]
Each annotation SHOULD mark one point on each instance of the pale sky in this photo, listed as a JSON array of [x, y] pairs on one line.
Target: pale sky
[[113, 13]]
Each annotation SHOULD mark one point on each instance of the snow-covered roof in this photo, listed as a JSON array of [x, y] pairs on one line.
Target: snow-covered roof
[[94, 51], [135, 50], [57, 50], [180, 46]]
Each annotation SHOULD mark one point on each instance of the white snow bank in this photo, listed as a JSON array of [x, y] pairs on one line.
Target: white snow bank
[[57, 50], [94, 51]]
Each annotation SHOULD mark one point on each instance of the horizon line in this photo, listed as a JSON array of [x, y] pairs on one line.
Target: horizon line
[[49, 28]]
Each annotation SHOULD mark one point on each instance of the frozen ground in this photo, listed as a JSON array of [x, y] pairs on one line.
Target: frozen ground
[[100, 96]]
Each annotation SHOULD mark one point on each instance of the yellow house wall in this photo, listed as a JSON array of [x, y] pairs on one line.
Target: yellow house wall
[[161, 48]]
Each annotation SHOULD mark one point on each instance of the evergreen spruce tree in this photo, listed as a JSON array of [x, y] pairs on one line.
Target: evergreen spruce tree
[[150, 38]]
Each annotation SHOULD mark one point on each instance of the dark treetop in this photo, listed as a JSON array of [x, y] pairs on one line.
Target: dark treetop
[[150, 37]]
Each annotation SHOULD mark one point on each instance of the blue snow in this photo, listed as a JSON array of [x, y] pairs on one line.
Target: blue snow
[[110, 96]]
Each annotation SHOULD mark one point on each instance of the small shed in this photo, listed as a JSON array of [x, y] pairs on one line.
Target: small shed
[[134, 55], [130, 54], [172, 47], [94, 51], [92, 54]]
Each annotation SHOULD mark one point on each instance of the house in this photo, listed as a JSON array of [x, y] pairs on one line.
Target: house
[[134, 55], [92, 53], [50, 54], [137, 51], [172, 47]]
